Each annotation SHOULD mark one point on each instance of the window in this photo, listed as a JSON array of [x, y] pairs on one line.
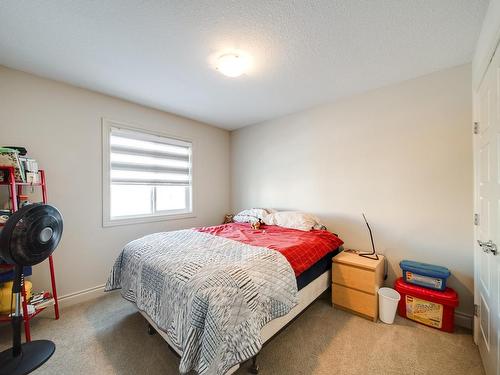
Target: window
[[146, 176]]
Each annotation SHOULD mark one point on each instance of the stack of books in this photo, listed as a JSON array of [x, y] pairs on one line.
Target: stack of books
[[41, 300], [25, 168]]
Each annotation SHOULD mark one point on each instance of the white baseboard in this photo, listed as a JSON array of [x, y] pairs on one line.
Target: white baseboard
[[81, 296], [461, 319], [464, 320]]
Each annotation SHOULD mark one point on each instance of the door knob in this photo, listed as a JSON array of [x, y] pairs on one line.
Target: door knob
[[488, 247]]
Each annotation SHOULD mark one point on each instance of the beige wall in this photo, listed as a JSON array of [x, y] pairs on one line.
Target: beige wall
[[60, 125], [401, 154]]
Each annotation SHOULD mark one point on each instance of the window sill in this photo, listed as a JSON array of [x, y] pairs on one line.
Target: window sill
[[146, 219]]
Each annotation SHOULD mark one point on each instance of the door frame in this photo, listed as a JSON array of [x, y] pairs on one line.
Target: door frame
[[487, 44], [475, 151]]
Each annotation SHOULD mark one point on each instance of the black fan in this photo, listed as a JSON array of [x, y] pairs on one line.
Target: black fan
[[29, 237]]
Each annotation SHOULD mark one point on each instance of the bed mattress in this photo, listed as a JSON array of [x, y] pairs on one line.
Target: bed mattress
[[317, 269]]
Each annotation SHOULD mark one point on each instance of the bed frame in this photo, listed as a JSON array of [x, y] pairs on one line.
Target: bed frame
[[307, 296]]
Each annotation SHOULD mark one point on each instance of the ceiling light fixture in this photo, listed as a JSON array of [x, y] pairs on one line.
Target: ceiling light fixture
[[232, 64]]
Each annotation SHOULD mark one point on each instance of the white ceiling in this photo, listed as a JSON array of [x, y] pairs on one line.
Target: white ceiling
[[305, 52]]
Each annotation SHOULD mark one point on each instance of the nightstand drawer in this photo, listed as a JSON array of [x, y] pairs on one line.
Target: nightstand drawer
[[360, 302], [354, 277]]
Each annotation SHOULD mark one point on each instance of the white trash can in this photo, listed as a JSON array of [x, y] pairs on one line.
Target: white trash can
[[388, 300]]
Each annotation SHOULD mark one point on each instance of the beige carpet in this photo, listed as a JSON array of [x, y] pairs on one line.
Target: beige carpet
[[108, 336]]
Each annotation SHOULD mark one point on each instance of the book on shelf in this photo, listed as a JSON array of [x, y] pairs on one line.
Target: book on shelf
[[42, 299], [45, 303], [10, 158]]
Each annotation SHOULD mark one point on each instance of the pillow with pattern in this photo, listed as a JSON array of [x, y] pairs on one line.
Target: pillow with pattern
[[251, 215]]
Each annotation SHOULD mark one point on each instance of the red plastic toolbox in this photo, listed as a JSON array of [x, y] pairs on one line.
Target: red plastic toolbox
[[430, 307]]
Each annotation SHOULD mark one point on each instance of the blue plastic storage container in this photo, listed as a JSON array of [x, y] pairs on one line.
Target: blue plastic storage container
[[423, 274]]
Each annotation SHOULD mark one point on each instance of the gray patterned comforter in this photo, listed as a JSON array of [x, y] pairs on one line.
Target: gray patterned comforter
[[211, 295]]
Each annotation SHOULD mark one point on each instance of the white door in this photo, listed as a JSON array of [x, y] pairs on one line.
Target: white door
[[487, 203]]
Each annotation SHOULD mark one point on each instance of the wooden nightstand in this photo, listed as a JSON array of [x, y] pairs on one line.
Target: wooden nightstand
[[355, 282]]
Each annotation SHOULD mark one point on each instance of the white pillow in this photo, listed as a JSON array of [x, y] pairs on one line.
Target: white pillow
[[251, 215], [293, 219]]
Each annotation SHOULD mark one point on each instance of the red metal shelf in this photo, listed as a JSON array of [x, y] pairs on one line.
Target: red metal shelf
[[6, 317], [15, 189]]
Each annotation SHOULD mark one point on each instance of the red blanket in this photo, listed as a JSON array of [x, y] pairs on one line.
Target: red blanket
[[301, 249]]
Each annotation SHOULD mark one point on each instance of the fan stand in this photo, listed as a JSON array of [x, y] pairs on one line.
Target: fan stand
[[24, 358]]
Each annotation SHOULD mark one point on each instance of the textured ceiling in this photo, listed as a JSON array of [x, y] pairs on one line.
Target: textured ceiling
[[158, 53]]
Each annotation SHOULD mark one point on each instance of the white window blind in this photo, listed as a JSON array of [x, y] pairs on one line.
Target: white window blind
[[148, 175], [138, 158]]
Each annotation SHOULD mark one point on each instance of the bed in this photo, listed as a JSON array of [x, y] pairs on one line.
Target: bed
[[218, 294]]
